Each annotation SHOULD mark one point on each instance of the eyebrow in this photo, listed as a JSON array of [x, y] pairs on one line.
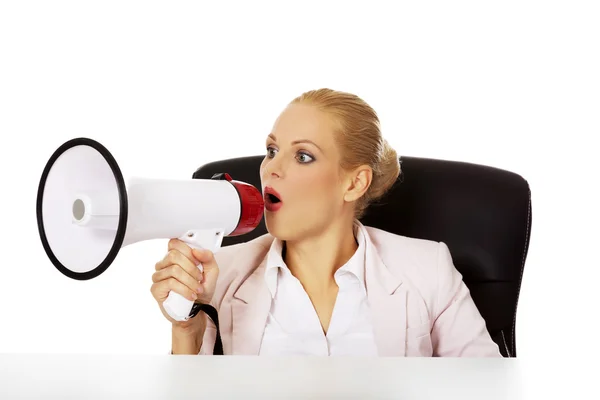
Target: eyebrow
[[298, 141]]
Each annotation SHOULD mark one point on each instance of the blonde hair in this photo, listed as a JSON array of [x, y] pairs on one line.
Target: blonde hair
[[359, 139]]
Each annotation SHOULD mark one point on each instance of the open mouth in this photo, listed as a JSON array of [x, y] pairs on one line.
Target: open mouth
[[271, 198]]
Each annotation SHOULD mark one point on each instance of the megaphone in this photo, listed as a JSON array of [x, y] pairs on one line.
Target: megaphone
[[86, 213]]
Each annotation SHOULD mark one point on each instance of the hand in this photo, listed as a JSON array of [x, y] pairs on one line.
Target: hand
[[178, 271]]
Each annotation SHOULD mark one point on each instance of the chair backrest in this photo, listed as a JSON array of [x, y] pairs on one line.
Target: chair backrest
[[482, 213]]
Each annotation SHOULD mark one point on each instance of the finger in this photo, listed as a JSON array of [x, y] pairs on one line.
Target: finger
[[165, 262], [174, 285], [176, 272], [175, 257], [161, 290], [183, 248]]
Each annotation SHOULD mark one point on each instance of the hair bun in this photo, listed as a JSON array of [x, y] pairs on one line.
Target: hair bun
[[386, 172]]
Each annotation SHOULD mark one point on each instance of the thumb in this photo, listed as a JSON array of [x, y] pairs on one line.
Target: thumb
[[205, 257]]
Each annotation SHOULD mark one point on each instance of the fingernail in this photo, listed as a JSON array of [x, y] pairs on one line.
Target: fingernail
[[199, 289], [194, 296]]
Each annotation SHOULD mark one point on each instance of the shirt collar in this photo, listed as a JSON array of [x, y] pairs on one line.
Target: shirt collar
[[355, 265]]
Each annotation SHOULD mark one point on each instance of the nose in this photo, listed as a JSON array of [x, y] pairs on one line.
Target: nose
[[272, 168]]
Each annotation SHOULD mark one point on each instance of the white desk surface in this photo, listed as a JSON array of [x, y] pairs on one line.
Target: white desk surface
[[73, 376]]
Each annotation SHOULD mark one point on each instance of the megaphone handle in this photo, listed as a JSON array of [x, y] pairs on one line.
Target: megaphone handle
[[177, 306]]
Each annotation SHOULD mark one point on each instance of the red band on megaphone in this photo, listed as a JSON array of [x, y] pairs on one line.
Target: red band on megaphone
[[252, 208]]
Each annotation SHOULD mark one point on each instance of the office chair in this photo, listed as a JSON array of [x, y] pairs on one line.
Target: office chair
[[482, 213]]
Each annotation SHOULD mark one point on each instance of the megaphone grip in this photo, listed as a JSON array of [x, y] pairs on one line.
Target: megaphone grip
[[177, 306]]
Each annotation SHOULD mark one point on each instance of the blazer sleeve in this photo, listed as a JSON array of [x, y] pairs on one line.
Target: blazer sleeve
[[458, 330]]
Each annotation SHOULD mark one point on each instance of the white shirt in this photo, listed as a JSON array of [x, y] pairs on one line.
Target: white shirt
[[293, 326]]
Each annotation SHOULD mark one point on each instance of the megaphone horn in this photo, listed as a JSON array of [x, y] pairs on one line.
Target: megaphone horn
[[86, 213]]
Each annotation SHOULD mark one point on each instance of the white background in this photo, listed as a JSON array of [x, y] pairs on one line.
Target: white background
[[169, 86]]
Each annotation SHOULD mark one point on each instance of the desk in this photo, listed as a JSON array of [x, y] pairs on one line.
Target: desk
[[58, 376]]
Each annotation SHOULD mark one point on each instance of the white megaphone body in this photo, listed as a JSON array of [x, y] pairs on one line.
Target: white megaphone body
[[86, 213]]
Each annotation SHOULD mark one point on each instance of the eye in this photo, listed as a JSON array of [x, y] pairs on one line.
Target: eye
[[270, 152], [305, 158]]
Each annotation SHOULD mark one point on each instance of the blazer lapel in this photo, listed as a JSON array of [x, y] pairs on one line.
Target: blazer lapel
[[250, 307], [387, 300]]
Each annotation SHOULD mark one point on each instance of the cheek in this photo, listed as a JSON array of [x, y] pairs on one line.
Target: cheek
[[315, 186]]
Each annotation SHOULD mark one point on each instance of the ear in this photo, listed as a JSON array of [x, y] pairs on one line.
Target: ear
[[358, 183]]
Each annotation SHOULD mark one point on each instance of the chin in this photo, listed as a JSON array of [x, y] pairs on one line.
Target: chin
[[280, 227], [287, 229], [276, 228]]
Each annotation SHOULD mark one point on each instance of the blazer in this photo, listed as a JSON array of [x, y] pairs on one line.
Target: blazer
[[419, 303]]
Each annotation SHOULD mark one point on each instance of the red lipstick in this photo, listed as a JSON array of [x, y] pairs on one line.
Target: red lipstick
[[273, 200]]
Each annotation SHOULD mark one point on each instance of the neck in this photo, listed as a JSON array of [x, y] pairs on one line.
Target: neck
[[314, 260]]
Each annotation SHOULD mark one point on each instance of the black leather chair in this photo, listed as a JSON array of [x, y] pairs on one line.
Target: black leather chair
[[482, 213]]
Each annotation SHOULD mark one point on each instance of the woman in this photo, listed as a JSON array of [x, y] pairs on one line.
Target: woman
[[320, 282]]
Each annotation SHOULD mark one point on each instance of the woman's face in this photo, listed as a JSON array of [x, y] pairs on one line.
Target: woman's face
[[302, 168]]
